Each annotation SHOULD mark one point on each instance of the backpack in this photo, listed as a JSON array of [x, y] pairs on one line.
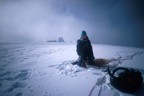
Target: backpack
[[127, 80]]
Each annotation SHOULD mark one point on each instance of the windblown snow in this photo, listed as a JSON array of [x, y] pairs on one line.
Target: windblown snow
[[47, 70]]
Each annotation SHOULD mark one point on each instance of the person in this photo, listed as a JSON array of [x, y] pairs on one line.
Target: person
[[84, 50]]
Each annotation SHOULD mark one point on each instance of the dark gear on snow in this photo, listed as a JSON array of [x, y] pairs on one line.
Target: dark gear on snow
[[127, 79]]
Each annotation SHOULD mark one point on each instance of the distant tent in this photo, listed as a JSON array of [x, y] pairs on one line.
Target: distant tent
[[60, 39]]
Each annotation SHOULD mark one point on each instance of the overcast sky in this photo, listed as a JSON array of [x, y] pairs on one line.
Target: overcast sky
[[116, 22]]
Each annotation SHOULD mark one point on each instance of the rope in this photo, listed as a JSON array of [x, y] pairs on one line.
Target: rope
[[120, 60]]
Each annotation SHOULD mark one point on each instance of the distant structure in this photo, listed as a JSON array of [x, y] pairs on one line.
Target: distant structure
[[51, 41], [60, 39]]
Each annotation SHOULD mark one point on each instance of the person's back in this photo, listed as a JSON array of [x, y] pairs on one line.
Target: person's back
[[84, 50]]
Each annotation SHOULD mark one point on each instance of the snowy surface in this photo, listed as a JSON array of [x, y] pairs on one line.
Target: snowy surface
[[46, 70]]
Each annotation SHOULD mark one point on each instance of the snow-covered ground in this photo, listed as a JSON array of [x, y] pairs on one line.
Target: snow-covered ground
[[46, 70]]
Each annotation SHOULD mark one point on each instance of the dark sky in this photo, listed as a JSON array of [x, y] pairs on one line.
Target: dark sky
[[116, 22]]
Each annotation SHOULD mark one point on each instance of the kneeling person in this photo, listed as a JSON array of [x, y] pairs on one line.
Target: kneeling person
[[84, 50]]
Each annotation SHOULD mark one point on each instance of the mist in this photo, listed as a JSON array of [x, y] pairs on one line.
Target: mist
[[35, 21], [115, 22]]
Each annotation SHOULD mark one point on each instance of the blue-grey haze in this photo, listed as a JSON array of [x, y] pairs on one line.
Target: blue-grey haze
[[115, 22]]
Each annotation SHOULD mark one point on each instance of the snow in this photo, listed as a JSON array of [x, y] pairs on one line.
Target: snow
[[46, 70]]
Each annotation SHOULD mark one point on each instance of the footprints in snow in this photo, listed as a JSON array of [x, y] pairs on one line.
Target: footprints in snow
[[19, 94], [13, 76], [16, 78], [15, 86], [14, 55]]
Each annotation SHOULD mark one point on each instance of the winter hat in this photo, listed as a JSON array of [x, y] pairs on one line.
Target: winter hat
[[83, 33]]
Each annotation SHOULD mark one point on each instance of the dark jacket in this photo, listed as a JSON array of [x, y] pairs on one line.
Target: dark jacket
[[84, 48]]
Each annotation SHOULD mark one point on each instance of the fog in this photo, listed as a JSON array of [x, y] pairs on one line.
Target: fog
[[115, 22]]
